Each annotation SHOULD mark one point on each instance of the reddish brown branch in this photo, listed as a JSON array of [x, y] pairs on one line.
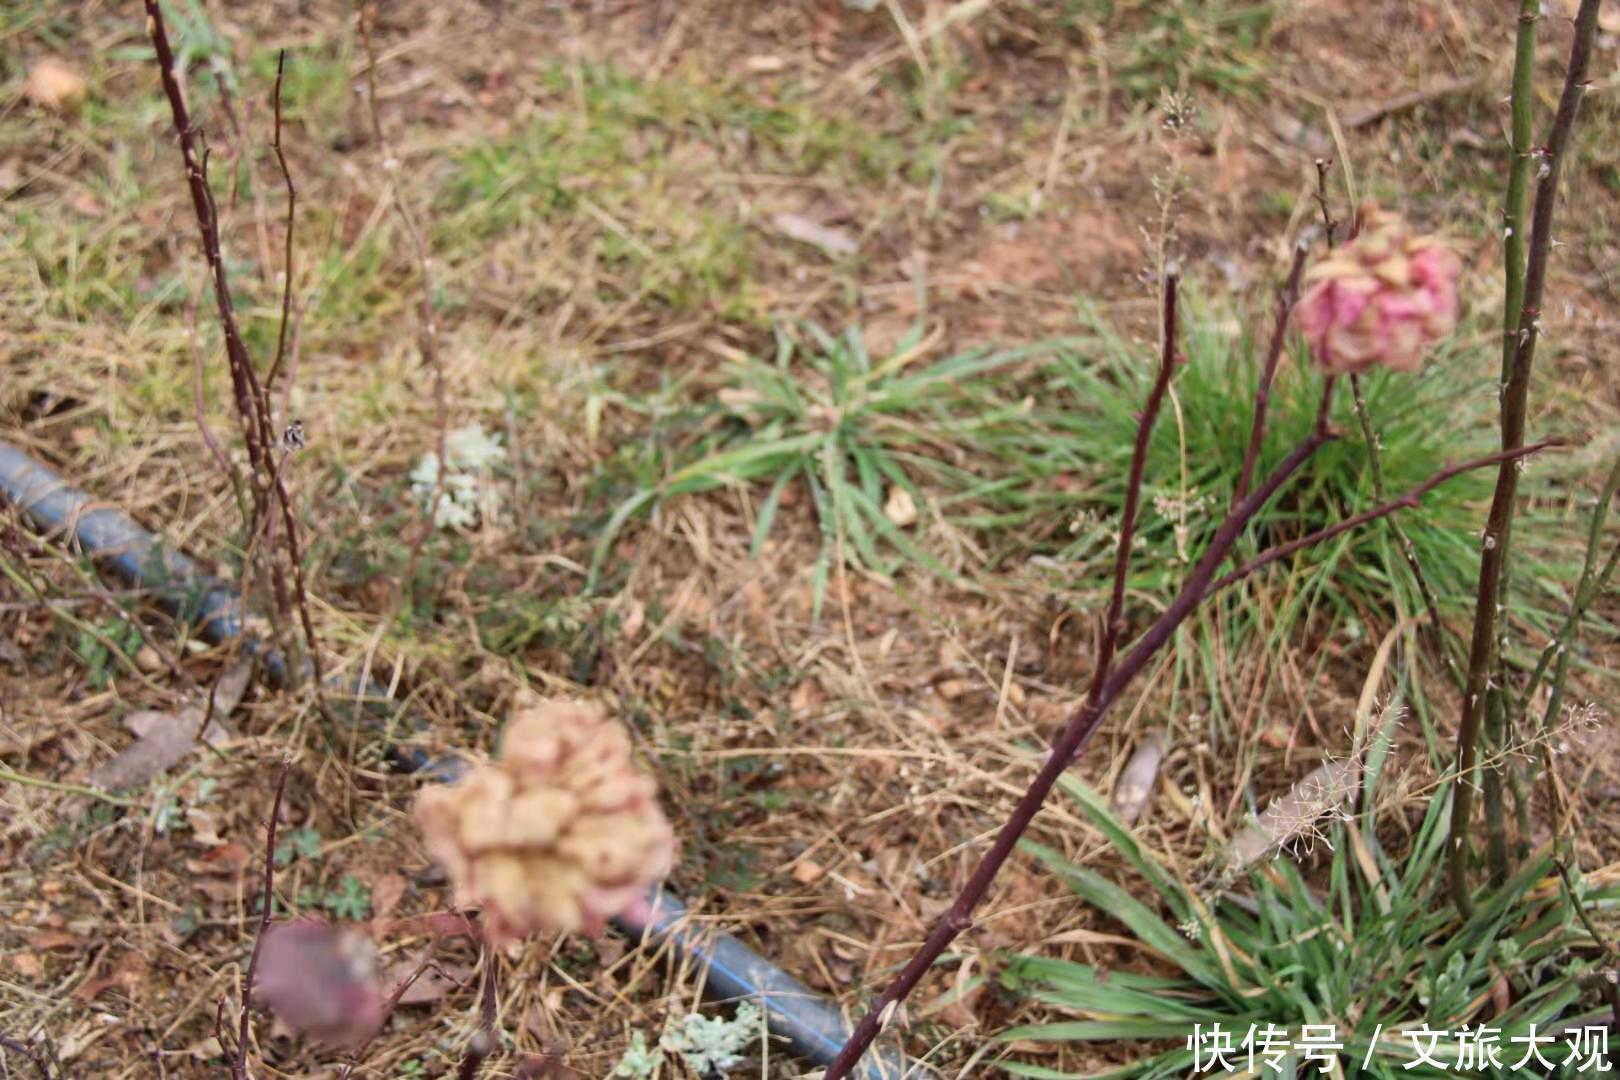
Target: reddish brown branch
[[1113, 623], [485, 1040], [1105, 690], [1407, 500], [1268, 373], [267, 907], [388, 1008], [287, 255]]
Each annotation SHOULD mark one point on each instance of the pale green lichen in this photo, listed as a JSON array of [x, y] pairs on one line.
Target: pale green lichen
[[713, 1044], [469, 494]]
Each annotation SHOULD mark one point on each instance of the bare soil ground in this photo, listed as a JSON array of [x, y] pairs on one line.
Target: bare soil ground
[[603, 188]]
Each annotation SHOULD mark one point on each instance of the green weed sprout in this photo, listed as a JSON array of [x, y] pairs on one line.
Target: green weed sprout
[[851, 427]]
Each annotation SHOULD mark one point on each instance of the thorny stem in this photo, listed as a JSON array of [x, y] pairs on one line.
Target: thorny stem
[[1522, 347], [267, 906], [1105, 690], [252, 401]]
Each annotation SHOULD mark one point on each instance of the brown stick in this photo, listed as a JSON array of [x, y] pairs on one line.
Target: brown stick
[[388, 1010], [267, 906]]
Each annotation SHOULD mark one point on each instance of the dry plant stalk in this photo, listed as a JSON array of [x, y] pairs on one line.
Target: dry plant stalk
[[1109, 681], [270, 501]]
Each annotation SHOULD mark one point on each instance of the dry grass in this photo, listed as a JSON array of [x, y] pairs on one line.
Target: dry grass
[[598, 185]]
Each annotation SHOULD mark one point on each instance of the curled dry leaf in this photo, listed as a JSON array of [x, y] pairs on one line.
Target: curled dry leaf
[[1135, 784], [164, 739]]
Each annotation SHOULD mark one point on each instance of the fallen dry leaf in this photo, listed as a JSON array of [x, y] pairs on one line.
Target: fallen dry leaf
[[204, 829], [54, 939], [386, 892], [164, 739], [128, 975], [430, 986], [900, 508], [55, 86], [27, 965], [834, 243], [807, 871], [227, 858], [1135, 784]]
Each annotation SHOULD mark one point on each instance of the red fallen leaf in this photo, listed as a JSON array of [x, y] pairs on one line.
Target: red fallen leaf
[[54, 939], [386, 892], [448, 924], [220, 892], [127, 975], [320, 981], [432, 984], [227, 858]]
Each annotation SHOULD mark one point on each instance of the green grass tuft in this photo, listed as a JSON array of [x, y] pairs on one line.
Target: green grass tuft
[[1368, 952]]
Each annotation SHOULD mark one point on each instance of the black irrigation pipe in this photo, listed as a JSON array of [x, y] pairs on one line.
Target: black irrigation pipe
[[813, 1027]]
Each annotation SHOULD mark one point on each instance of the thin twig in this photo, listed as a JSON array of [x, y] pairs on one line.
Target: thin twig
[[1522, 344], [484, 1040], [28, 1054], [1375, 461], [1113, 625], [1591, 585], [1406, 501], [267, 909], [388, 1010], [287, 254]]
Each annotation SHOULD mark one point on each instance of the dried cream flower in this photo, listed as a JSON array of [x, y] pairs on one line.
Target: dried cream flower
[[563, 832]]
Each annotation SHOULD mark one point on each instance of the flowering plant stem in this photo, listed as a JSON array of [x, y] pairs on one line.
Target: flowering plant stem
[[1526, 272], [1110, 680]]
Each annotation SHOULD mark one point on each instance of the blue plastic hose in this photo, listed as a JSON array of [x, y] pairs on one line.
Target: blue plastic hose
[[812, 1026]]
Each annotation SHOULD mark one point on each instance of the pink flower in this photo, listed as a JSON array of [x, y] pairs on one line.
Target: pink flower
[[320, 981], [563, 832], [1381, 300]]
